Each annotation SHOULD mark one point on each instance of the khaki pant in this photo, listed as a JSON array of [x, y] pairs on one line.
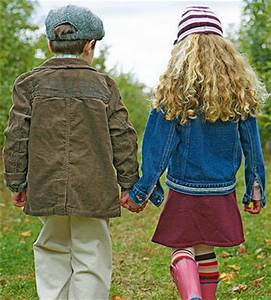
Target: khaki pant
[[73, 258]]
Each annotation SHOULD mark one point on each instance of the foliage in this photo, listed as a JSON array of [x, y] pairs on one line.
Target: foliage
[[133, 93], [255, 36], [134, 98], [99, 62], [255, 41]]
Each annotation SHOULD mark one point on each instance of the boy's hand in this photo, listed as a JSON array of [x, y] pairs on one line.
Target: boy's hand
[[19, 199], [254, 207], [126, 202]]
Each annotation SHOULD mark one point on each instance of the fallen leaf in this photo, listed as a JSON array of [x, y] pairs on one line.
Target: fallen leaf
[[268, 242], [242, 249], [227, 277], [258, 281], [239, 288], [234, 267], [225, 255], [145, 258], [25, 234], [117, 298], [258, 251], [260, 266]]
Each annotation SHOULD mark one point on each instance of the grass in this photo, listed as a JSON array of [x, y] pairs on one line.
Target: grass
[[141, 267]]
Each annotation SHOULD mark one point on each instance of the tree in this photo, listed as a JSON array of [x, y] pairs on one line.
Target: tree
[[17, 49], [255, 41]]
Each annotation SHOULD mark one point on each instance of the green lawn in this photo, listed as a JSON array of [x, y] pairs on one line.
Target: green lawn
[[140, 267]]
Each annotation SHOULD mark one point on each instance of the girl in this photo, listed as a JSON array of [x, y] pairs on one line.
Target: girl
[[203, 117]]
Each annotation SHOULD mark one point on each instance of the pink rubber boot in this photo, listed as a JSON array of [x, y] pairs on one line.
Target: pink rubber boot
[[184, 271], [208, 291]]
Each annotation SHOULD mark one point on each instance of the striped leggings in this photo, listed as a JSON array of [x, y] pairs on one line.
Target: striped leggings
[[206, 259], [207, 269]]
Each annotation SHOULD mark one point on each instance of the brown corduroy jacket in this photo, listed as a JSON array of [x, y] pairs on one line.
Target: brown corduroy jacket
[[69, 139]]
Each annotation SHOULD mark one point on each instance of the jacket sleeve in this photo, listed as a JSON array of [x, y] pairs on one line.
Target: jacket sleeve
[[160, 140], [254, 162], [123, 139], [15, 151]]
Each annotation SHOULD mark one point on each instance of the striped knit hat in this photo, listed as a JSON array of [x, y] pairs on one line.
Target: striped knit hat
[[198, 19]]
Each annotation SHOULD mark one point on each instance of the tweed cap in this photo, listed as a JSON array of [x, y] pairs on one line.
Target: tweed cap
[[198, 19], [88, 26]]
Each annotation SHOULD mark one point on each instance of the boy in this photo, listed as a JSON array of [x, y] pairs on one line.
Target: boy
[[69, 144]]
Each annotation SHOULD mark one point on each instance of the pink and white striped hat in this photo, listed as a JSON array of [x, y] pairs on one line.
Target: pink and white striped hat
[[198, 19]]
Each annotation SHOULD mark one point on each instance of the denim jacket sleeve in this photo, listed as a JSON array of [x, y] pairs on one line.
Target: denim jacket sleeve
[[160, 140], [254, 162]]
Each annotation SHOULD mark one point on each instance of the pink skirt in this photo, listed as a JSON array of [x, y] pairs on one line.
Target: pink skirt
[[188, 220]]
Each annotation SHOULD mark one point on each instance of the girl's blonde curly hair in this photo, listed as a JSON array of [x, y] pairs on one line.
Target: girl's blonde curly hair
[[207, 75]]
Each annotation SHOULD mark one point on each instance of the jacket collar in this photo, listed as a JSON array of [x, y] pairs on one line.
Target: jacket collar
[[65, 63]]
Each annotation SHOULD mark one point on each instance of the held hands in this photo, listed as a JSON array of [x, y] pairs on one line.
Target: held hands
[[18, 199], [254, 207], [126, 202]]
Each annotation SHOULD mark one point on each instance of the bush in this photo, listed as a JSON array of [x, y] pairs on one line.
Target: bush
[[254, 40]]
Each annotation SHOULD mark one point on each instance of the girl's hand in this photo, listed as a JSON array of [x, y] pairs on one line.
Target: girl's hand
[[19, 199], [254, 207], [133, 207]]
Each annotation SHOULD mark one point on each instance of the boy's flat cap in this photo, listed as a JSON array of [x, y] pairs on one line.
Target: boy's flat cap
[[88, 25]]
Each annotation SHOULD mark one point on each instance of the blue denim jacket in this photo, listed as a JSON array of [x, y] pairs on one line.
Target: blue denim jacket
[[201, 158]]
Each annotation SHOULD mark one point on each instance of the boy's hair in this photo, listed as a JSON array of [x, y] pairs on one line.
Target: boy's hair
[[207, 75], [67, 47]]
